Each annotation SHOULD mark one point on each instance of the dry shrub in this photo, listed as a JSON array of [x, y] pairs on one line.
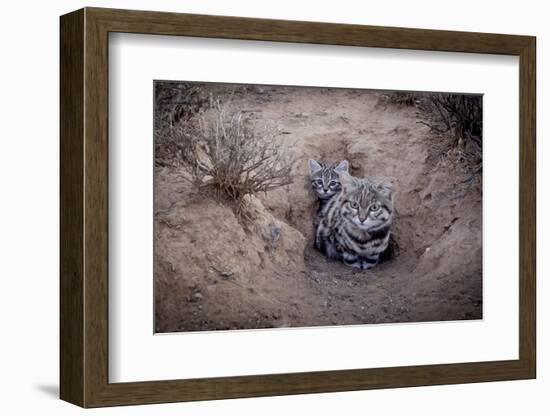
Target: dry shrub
[[457, 114], [175, 103], [397, 98], [458, 120], [226, 152]]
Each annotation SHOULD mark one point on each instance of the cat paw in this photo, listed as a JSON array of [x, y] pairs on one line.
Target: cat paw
[[366, 265]]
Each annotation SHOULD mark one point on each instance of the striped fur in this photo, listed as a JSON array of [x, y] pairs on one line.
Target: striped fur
[[325, 180], [355, 225]]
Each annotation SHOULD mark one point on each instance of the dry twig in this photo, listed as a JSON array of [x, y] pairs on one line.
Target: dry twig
[[224, 151]]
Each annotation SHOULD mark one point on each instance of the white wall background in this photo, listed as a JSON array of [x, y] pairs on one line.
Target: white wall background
[[29, 206]]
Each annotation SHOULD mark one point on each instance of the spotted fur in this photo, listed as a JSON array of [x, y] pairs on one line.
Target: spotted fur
[[325, 179], [325, 182], [355, 225]]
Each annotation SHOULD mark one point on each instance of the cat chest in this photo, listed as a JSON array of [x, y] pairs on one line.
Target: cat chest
[[363, 242]]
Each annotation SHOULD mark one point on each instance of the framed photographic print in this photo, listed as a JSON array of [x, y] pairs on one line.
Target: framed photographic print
[[255, 207]]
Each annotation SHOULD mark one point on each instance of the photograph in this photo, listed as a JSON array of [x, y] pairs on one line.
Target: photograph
[[281, 206]]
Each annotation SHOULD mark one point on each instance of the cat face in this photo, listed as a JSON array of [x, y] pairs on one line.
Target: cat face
[[366, 204], [325, 179]]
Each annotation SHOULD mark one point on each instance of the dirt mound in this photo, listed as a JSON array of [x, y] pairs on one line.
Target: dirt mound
[[207, 260], [214, 271]]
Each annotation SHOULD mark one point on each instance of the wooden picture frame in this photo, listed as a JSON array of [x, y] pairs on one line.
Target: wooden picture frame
[[84, 207]]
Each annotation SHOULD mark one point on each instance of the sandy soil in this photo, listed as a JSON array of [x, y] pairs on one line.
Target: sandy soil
[[212, 271]]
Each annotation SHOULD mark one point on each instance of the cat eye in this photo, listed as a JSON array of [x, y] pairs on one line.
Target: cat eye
[[353, 204], [332, 183], [318, 182], [375, 207]]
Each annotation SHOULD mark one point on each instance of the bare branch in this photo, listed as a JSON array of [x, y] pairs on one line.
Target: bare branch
[[225, 151]]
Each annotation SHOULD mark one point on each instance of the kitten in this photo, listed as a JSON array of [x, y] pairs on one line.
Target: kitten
[[356, 224], [325, 180]]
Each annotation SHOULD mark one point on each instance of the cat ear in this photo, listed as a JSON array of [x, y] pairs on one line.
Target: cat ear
[[346, 179], [343, 167], [314, 166], [386, 188]]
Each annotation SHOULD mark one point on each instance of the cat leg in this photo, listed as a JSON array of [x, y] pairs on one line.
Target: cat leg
[[331, 251], [369, 262], [352, 260]]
